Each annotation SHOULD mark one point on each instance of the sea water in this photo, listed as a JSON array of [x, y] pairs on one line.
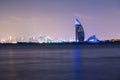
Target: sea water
[[33, 62]]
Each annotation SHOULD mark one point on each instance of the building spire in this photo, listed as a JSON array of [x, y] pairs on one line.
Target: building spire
[[77, 22]]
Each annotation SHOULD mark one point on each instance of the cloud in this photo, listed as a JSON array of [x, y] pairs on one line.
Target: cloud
[[118, 12], [20, 20], [83, 16], [15, 18]]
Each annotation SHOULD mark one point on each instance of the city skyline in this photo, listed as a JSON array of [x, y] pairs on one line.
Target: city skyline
[[55, 18]]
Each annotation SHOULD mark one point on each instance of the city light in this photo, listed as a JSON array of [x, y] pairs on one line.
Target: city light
[[34, 39]]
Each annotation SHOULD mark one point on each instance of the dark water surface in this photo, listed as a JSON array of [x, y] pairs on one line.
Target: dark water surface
[[79, 62]]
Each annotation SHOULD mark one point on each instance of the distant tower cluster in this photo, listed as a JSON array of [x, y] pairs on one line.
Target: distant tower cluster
[[79, 31]]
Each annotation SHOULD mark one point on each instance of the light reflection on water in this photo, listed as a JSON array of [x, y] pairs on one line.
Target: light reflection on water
[[35, 64], [11, 68], [77, 64], [60, 64]]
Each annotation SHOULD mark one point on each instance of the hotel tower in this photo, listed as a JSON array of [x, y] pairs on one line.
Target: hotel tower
[[79, 31]]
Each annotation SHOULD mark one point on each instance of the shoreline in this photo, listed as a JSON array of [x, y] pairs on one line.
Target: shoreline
[[64, 45]]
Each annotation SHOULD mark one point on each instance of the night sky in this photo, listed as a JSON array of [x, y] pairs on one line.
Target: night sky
[[55, 18]]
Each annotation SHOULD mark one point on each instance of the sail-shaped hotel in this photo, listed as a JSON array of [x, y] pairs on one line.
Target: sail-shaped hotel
[[79, 31]]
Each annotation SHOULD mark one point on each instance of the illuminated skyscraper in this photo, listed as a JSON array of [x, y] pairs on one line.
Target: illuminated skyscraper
[[79, 31]]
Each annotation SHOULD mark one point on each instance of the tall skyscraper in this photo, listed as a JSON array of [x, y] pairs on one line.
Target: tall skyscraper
[[79, 31]]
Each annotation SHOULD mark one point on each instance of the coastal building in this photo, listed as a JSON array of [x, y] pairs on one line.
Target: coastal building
[[79, 32], [93, 39]]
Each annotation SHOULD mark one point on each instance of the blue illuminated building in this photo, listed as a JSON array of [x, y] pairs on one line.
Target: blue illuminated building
[[79, 31], [93, 39]]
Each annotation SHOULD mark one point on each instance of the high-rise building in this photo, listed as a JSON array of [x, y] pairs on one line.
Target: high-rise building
[[79, 31]]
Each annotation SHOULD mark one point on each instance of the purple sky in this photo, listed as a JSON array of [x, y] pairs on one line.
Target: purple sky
[[55, 18]]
